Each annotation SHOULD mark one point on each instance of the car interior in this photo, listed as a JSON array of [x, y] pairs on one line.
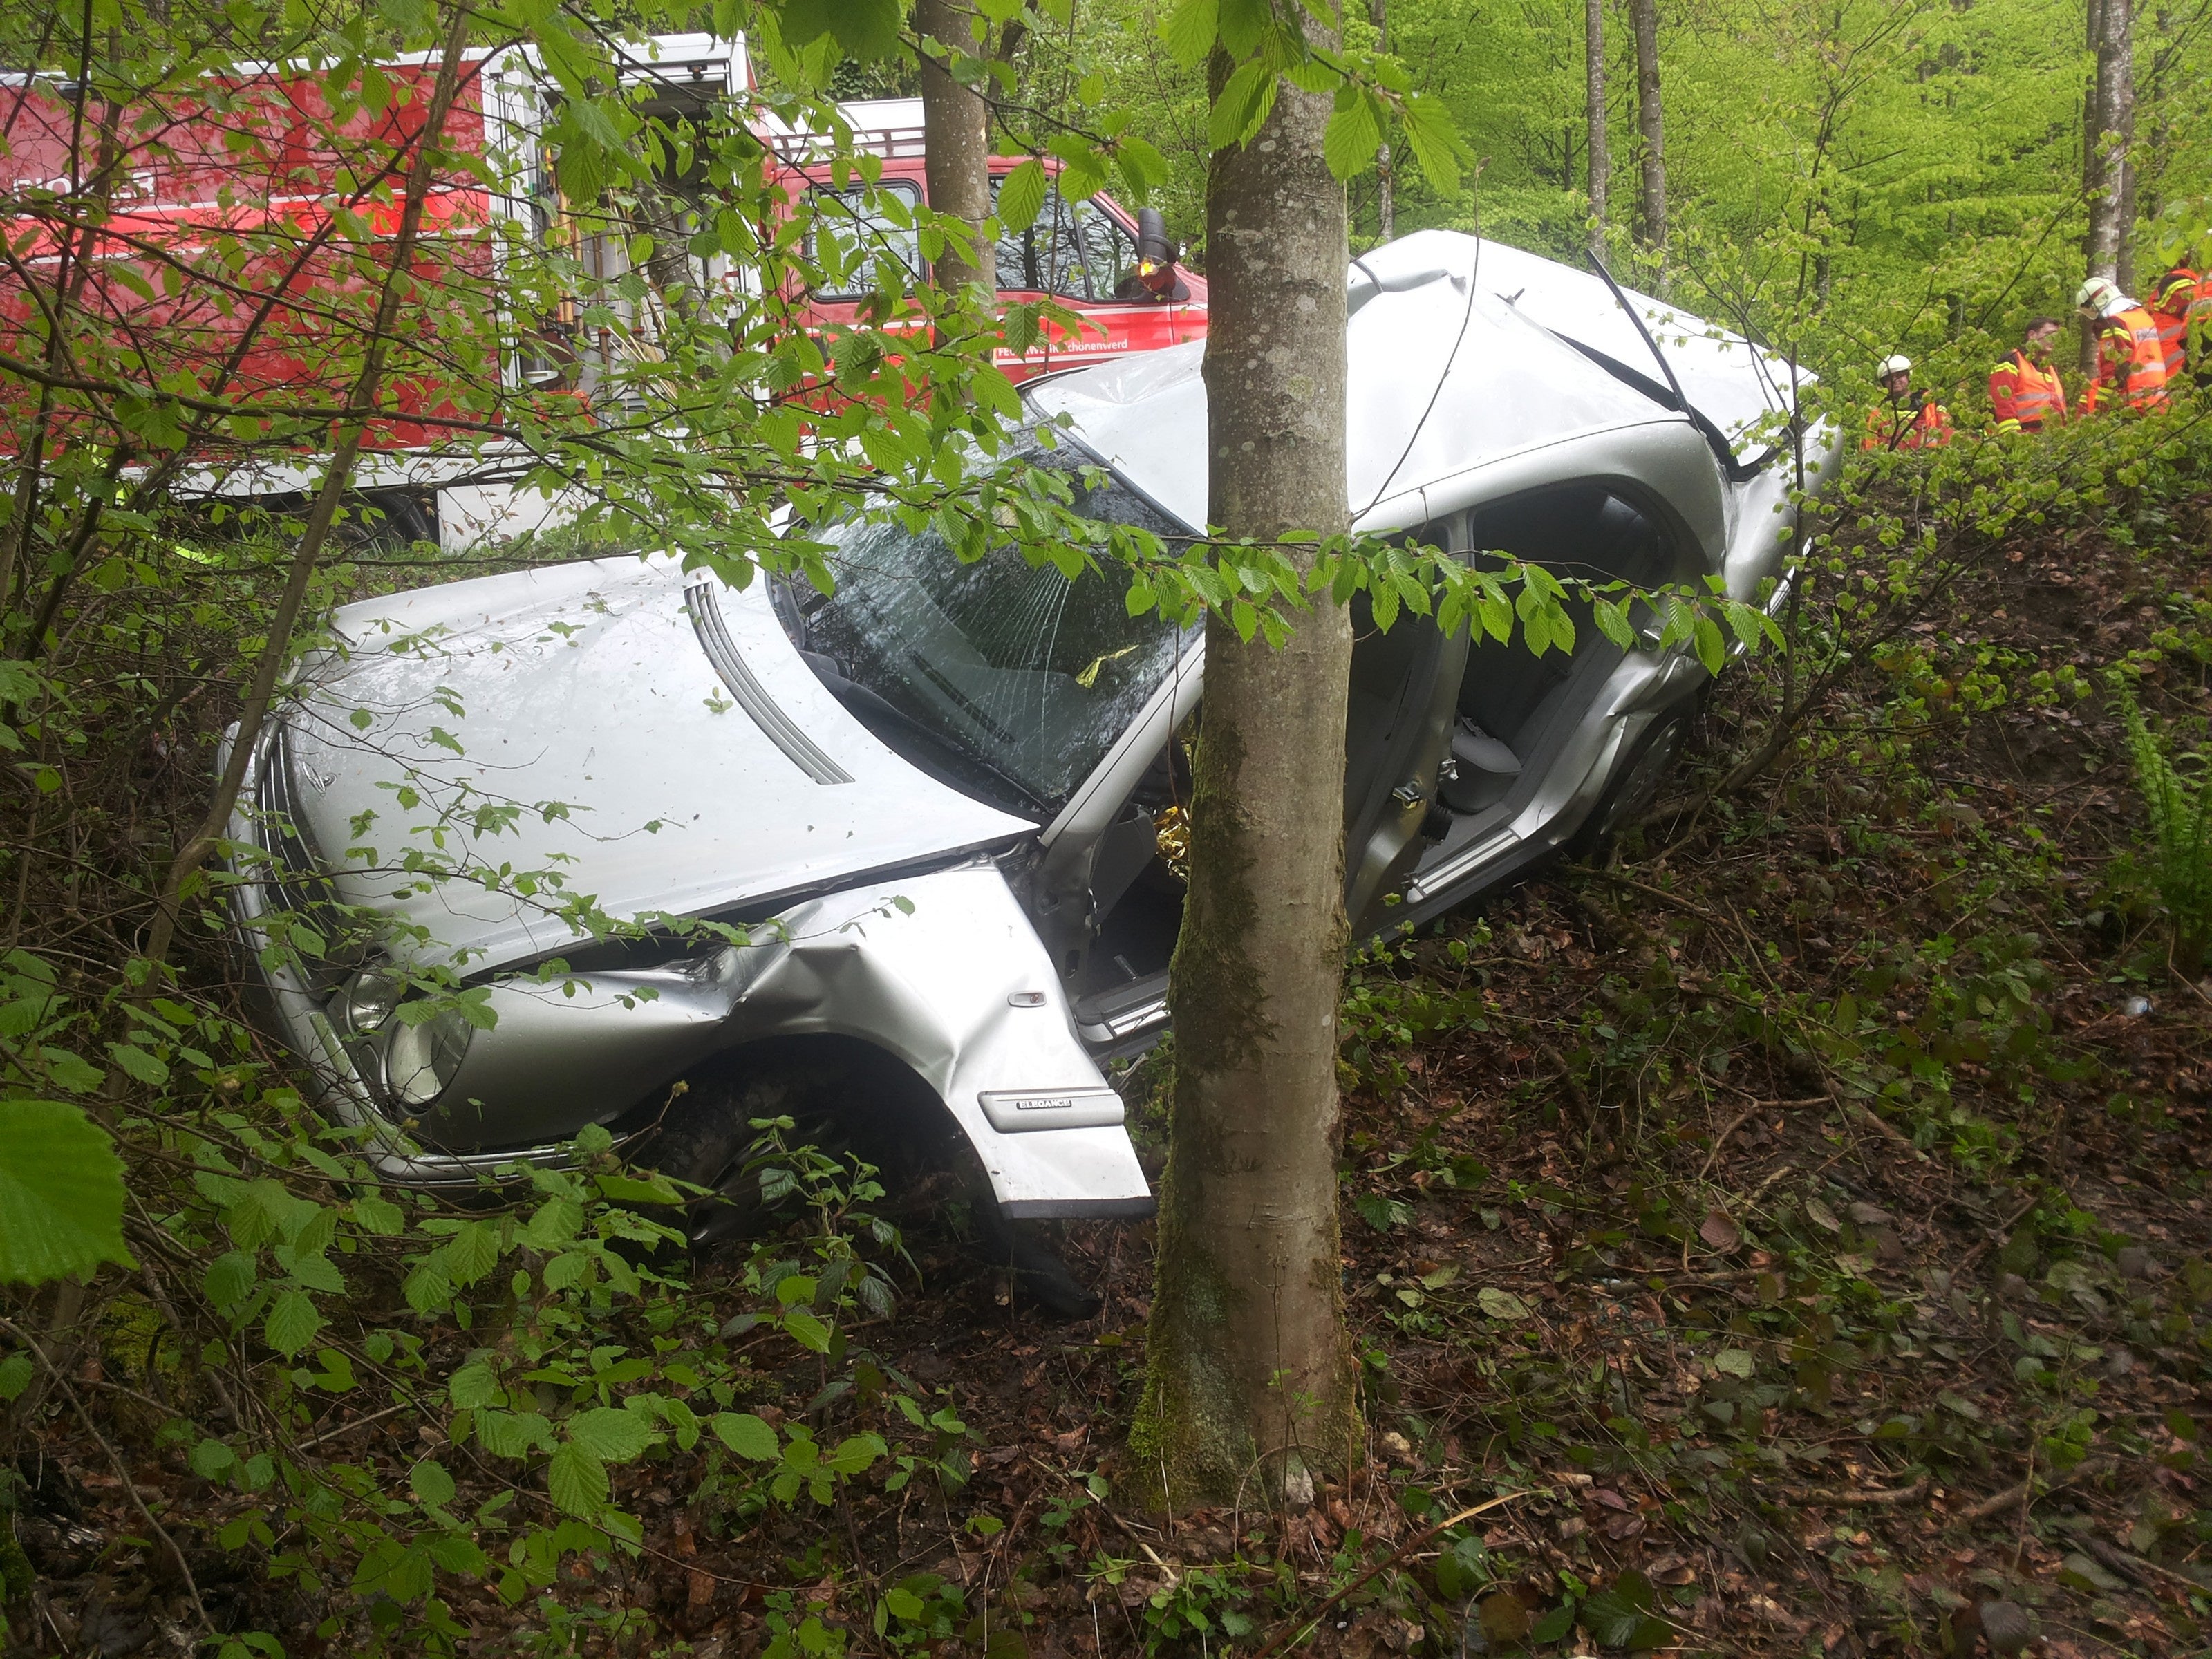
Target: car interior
[[1502, 712]]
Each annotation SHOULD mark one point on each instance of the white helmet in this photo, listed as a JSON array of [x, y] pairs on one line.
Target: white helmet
[[1900, 364], [2095, 295]]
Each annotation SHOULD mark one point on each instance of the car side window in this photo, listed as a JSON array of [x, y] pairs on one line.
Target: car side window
[[1075, 251], [872, 241], [1584, 532]]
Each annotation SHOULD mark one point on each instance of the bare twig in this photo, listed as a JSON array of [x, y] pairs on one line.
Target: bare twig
[[1659, 893], [1727, 1129], [2018, 1493], [2136, 1567], [1876, 1497]]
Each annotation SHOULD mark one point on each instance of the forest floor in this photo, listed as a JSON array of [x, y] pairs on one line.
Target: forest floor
[[1805, 1221], [1796, 1232]]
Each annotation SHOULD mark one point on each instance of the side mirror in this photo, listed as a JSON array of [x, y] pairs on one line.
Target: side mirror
[[1156, 254]]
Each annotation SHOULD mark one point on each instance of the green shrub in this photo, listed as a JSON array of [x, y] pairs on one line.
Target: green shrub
[[2180, 806]]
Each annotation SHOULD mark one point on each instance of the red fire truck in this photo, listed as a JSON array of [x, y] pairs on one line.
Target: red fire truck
[[239, 250]]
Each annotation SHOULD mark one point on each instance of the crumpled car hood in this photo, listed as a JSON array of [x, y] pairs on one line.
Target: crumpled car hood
[[571, 721]]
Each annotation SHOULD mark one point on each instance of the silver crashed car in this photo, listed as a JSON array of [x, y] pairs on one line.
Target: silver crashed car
[[952, 788]]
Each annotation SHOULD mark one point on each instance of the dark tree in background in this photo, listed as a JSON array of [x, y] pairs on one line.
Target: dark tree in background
[[1601, 160], [1651, 125], [955, 124]]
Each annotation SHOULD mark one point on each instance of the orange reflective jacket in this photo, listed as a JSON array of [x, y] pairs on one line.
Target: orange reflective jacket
[[2130, 363], [2173, 300], [2024, 395], [1919, 422]]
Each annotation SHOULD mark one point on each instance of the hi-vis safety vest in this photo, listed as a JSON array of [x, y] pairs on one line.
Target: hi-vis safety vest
[[2024, 395], [2177, 295], [2130, 363], [1919, 422]]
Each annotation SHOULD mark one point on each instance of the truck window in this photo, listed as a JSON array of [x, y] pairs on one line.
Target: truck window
[[879, 247], [1075, 251]]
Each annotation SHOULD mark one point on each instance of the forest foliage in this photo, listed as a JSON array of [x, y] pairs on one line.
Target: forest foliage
[[1854, 178], [1849, 178]]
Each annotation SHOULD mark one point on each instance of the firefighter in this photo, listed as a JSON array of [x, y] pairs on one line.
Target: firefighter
[[1905, 419], [2026, 394], [2130, 363], [2175, 299]]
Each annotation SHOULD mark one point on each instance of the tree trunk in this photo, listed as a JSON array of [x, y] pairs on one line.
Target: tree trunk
[[1386, 186], [956, 134], [1249, 1381], [1650, 123], [1601, 161], [2108, 123], [2122, 12]]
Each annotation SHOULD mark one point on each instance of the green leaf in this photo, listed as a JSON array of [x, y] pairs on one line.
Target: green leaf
[[16, 1373], [431, 1482], [806, 1330], [611, 1434], [139, 1064], [866, 29], [1190, 30], [469, 1254], [292, 1323], [904, 1604], [378, 1215], [746, 1435], [1712, 652], [229, 1278], [512, 1434], [1612, 618], [70, 1071], [61, 1192], [1435, 143], [1501, 1304], [1610, 1619], [577, 1481], [1350, 141], [1736, 1362], [1380, 1212], [856, 1453], [461, 1555], [1244, 105], [1554, 1625], [1021, 197], [473, 1387]]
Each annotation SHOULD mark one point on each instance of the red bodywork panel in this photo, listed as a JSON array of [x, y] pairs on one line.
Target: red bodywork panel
[[248, 231], [229, 266], [1065, 257]]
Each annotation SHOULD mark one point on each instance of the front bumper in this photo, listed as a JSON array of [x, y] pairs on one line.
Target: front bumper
[[941, 969]]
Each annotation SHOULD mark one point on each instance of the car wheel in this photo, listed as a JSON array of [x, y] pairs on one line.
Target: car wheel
[[706, 1139], [1635, 787]]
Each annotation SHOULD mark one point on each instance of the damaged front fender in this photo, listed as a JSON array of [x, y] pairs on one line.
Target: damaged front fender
[[946, 972], [941, 971]]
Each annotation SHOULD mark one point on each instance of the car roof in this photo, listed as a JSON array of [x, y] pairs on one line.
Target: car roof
[[1463, 352]]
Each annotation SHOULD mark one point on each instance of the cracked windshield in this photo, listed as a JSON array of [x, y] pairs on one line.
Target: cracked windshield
[[1017, 669]]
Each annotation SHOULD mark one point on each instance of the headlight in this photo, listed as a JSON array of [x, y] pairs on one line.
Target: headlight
[[366, 1001], [421, 1060]]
